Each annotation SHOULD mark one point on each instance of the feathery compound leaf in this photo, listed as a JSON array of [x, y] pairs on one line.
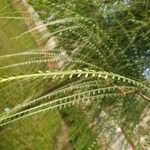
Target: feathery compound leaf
[[83, 87], [99, 74], [26, 63], [27, 54], [65, 101]]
